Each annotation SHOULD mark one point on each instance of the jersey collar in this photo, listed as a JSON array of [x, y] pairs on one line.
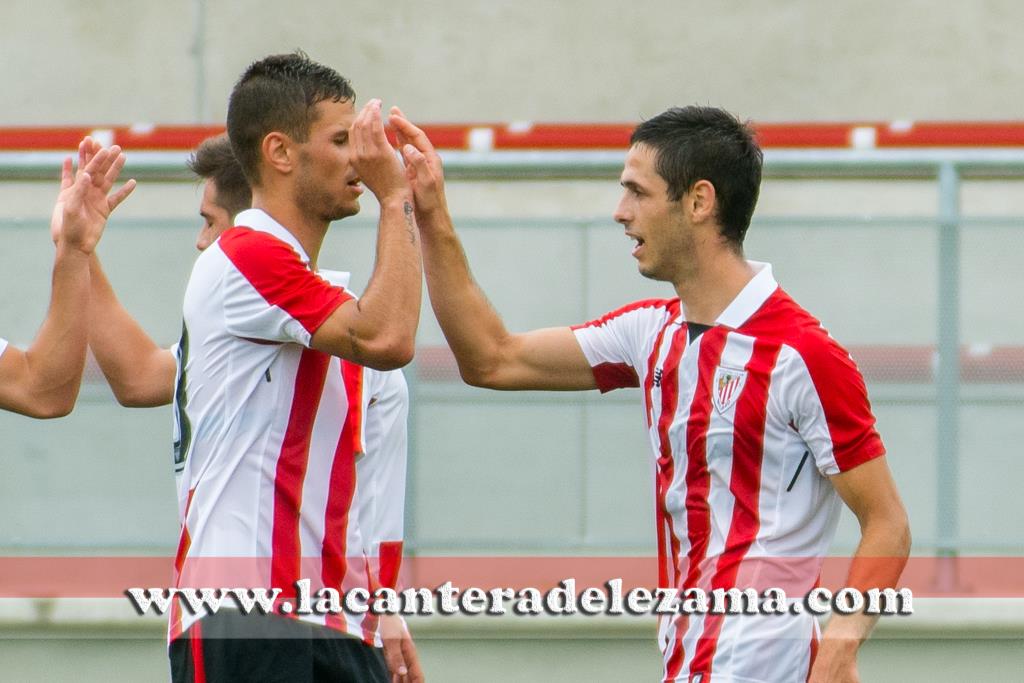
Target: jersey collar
[[751, 297], [258, 219]]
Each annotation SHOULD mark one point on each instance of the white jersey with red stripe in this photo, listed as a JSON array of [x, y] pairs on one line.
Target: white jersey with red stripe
[[747, 421], [269, 431]]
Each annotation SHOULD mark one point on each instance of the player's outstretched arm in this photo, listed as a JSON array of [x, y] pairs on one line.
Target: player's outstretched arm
[[140, 373], [870, 492], [379, 330], [44, 380], [487, 354]]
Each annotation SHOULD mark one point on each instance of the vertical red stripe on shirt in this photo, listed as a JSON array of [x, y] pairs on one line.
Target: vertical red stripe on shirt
[[352, 374], [198, 665], [390, 563], [745, 486], [668, 545], [672, 310], [184, 543], [698, 480], [291, 471], [340, 492]]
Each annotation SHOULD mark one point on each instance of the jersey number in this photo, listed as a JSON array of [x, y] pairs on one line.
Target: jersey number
[[182, 427]]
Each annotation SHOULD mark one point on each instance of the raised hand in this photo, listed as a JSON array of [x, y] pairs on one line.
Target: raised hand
[[422, 164], [372, 155], [85, 200]]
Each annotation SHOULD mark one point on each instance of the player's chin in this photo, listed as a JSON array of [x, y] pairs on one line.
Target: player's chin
[[345, 210], [650, 272]]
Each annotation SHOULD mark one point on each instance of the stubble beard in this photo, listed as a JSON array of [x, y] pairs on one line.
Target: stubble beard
[[319, 202]]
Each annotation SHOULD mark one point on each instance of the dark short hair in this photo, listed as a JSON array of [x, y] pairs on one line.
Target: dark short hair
[[706, 143], [214, 160], [279, 93]]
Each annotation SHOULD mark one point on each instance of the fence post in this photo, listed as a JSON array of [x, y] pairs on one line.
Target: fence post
[[947, 376]]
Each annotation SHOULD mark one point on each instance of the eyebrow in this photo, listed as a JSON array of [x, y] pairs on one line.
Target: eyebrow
[[631, 185]]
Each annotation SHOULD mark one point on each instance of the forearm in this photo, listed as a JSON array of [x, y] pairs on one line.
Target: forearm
[[473, 329], [388, 311], [877, 563], [139, 372], [56, 357]]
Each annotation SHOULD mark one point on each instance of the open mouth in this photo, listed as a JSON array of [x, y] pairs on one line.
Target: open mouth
[[356, 184], [639, 242]]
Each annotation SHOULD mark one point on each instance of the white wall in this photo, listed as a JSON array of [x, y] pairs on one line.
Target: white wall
[[109, 61]]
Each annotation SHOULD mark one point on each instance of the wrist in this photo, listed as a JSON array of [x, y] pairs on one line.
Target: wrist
[[396, 200], [68, 250]]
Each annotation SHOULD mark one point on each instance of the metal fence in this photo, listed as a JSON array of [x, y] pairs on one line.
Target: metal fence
[[581, 505]]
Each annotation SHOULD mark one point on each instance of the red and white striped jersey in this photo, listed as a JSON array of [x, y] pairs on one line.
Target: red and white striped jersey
[[736, 418], [269, 432]]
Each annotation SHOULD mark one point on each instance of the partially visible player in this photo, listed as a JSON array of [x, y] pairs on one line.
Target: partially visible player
[[226, 192], [142, 374], [43, 380], [758, 420], [267, 450]]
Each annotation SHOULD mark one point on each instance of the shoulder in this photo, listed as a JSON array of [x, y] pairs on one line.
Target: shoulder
[[254, 247], [804, 340], [643, 309]]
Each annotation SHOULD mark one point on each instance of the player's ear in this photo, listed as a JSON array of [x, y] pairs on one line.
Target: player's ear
[[278, 152], [701, 201]]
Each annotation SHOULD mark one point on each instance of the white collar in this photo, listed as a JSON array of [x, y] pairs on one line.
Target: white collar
[[751, 297], [258, 219]]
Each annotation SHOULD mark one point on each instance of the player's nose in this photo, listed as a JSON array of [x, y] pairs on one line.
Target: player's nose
[[621, 214]]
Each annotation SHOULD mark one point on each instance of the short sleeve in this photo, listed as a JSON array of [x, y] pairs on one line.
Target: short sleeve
[[828, 405], [269, 293], [613, 344]]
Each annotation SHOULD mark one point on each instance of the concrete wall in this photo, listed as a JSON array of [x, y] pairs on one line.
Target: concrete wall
[[107, 61]]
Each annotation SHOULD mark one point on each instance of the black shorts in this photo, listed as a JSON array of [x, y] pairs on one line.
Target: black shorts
[[228, 646]]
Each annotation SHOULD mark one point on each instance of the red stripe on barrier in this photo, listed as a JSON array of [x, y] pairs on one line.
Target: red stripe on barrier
[[561, 135]]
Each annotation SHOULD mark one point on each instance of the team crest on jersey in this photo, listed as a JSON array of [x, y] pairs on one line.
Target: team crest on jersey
[[727, 385]]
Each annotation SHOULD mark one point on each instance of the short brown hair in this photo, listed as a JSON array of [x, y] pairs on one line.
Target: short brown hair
[[214, 160], [279, 93]]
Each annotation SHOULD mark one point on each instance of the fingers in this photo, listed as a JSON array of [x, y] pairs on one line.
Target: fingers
[[394, 658], [411, 133], [67, 178], [110, 177], [412, 660], [98, 165], [362, 131], [84, 152], [114, 200], [416, 165]]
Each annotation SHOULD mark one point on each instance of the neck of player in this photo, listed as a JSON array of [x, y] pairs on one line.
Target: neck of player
[[308, 230], [711, 283]]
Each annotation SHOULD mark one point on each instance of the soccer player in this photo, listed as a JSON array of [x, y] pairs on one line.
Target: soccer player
[[142, 374], [266, 422], [758, 420], [43, 381]]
